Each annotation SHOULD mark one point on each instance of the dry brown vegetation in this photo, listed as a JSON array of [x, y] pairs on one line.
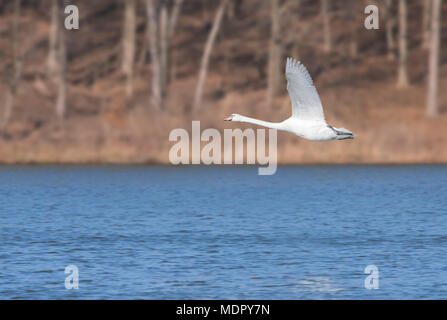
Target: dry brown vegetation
[[102, 125]]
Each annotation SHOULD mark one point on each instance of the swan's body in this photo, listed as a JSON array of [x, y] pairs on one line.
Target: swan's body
[[307, 120]]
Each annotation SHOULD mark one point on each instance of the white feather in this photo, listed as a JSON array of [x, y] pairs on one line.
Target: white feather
[[306, 104]]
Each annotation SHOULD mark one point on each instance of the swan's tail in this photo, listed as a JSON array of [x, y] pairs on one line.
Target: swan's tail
[[343, 134]]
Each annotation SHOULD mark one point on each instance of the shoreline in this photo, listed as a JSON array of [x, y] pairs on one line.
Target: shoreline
[[164, 164]]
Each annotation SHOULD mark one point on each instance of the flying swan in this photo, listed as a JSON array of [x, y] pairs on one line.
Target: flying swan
[[307, 120]]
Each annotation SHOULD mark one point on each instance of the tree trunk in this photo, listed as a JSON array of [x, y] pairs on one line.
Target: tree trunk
[[129, 44], [433, 62], [390, 21], [326, 25], [402, 80], [206, 55], [274, 63], [61, 102], [53, 39], [155, 58], [164, 47], [172, 26], [426, 25], [354, 31], [17, 70], [174, 18]]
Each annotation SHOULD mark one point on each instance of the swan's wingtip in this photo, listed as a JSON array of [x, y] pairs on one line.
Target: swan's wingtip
[[292, 59]]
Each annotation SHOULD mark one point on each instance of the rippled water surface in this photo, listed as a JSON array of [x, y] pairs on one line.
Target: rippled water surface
[[307, 232]]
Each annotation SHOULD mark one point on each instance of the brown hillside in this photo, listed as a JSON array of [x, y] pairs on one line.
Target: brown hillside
[[102, 126]]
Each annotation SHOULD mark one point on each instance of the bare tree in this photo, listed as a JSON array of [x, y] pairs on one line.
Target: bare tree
[[174, 18], [402, 80], [168, 23], [354, 29], [129, 31], [17, 68], [170, 74], [161, 27], [61, 102], [274, 53], [326, 25], [155, 58], [163, 46], [426, 23], [171, 29], [433, 62], [53, 39], [389, 28], [207, 53]]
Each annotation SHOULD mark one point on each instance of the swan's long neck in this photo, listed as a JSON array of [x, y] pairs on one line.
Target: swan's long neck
[[272, 125]]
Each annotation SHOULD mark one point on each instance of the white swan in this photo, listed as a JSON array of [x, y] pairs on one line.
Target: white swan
[[307, 120]]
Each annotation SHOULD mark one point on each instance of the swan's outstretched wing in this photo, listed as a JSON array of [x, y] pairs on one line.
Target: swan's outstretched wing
[[306, 104]]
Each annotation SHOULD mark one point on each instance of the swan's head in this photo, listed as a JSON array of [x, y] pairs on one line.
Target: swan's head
[[234, 117]]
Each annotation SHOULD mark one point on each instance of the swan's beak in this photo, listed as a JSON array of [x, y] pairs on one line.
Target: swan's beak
[[230, 118]]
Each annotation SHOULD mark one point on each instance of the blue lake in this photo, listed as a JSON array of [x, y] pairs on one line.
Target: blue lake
[[197, 232]]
